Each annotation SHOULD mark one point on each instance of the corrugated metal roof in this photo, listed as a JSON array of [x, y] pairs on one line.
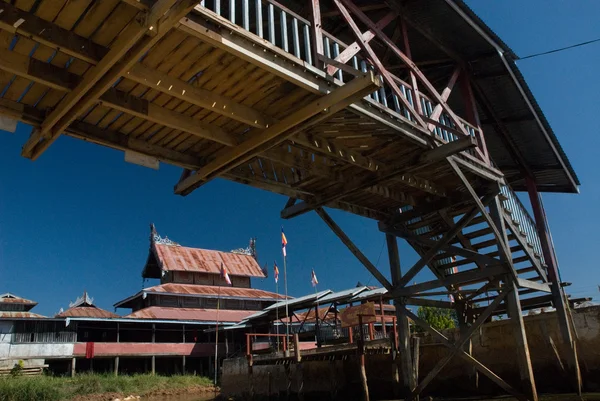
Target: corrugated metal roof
[[296, 302], [368, 295], [457, 27], [181, 258], [214, 291], [341, 296], [209, 315], [9, 298], [19, 315], [205, 291], [87, 311]]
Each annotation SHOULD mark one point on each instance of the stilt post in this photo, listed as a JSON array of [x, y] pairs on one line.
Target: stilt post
[[408, 378], [558, 296], [515, 314]]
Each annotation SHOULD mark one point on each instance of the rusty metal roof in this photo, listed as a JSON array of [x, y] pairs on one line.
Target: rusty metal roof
[[20, 315], [9, 298], [208, 315], [181, 258], [214, 291], [87, 311], [205, 291]]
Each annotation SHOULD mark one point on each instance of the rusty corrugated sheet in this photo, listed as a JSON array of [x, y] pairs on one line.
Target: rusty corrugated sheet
[[195, 289], [13, 299], [208, 315], [87, 311], [181, 258], [19, 315]]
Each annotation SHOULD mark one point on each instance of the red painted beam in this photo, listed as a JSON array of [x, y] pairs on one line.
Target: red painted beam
[[147, 349]]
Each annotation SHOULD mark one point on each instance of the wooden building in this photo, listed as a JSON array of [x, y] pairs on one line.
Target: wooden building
[[410, 113]]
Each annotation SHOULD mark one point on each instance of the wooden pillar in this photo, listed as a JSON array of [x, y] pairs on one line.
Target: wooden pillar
[[471, 112], [558, 296], [316, 32], [116, 364], [153, 356], [465, 320], [382, 311], [406, 365], [361, 359], [514, 311], [183, 357], [73, 366]]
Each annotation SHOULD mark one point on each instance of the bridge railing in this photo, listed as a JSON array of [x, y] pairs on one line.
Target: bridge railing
[[522, 218], [292, 33]]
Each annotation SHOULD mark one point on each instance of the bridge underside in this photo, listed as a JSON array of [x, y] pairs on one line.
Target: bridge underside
[[257, 95]]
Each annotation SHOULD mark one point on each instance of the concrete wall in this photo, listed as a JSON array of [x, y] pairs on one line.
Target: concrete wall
[[493, 345]]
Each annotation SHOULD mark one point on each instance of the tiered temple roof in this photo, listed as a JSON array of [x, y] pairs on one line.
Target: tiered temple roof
[[84, 307]]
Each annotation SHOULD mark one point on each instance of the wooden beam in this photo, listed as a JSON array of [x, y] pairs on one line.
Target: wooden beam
[[523, 283], [149, 111], [457, 350], [466, 253], [17, 21], [373, 57], [353, 248], [280, 131], [110, 68], [60, 79], [400, 171], [200, 97], [463, 278], [500, 236], [354, 48], [407, 60]]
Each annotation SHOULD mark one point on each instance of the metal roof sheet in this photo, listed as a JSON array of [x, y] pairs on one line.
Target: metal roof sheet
[[341, 296], [209, 315], [214, 291], [181, 258], [9, 298], [19, 315], [366, 295], [296, 302], [87, 311]]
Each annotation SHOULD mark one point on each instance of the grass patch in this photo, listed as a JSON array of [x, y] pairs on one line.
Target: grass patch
[[49, 388]]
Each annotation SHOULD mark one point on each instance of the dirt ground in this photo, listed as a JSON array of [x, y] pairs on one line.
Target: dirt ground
[[195, 392]]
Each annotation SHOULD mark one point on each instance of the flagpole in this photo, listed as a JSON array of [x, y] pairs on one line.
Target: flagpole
[[287, 322], [277, 309], [316, 317], [217, 336]]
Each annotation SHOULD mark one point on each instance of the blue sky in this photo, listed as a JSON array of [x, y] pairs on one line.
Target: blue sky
[[78, 218]]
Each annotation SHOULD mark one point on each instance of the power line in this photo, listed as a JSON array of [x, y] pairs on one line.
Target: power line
[[560, 49]]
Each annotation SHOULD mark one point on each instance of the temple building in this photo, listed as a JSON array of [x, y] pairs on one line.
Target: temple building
[[12, 306], [169, 328], [192, 287]]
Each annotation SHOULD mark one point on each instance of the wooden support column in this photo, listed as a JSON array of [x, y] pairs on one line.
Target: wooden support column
[[513, 305], [558, 295], [316, 32], [153, 356], [116, 367], [408, 378], [361, 359], [472, 114], [73, 366], [466, 320]]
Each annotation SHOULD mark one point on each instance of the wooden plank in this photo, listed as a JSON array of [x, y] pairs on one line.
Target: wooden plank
[[83, 97], [353, 248], [204, 98], [523, 283], [31, 26], [463, 278], [279, 131]]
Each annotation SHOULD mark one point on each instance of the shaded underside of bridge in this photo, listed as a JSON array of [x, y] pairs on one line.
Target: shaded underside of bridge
[[415, 116]]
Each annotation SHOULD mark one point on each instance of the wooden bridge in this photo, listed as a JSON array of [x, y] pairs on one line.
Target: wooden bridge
[[414, 116]]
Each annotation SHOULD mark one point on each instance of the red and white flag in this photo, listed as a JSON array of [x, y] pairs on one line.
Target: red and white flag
[[224, 274], [313, 279]]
